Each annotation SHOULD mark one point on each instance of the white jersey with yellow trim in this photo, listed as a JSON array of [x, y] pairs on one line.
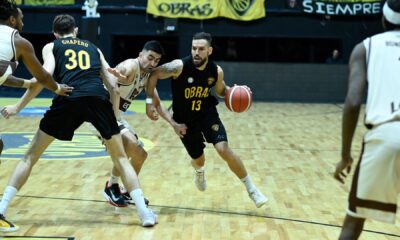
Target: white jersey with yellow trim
[[129, 92], [8, 62], [383, 64]]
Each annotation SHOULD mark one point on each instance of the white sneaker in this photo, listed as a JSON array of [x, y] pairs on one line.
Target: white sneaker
[[200, 180], [148, 219], [258, 198]]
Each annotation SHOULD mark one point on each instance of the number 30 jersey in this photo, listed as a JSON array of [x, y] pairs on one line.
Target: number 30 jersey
[[78, 65]]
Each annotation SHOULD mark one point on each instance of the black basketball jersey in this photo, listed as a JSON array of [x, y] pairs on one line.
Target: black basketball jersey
[[78, 65], [191, 91]]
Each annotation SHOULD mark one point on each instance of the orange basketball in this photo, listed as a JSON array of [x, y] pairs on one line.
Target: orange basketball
[[238, 99]]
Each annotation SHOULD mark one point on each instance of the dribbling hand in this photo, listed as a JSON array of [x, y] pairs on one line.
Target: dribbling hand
[[343, 166]]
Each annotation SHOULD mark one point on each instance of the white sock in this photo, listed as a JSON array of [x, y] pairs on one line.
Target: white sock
[[137, 196], [200, 169], [248, 183], [9, 194], [113, 180]]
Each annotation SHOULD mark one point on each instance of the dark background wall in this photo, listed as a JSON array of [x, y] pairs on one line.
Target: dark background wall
[[282, 56]]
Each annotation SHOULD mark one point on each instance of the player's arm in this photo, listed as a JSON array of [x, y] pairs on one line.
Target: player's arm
[[180, 129], [172, 69], [351, 110], [111, 84], [34, 89], [27, 55], [125, 71], [13, 81], [220, 86]]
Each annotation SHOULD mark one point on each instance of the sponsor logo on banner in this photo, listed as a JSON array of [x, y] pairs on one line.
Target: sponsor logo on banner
[[197, 9], [343, 7]]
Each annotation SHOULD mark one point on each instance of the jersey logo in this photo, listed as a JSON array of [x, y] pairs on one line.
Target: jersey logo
[[215, 127], [210, 80], [190, 80]]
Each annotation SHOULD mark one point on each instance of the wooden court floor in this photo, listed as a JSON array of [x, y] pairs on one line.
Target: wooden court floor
[[289, 149]]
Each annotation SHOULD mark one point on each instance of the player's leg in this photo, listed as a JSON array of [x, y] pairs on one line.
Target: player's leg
[[20, 175], [214, 132], [101, 115], [130, 179], [194, 145], [352, 228]]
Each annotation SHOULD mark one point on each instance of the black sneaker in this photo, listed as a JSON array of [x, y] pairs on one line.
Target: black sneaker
[[7, 226], [128, 199], [114, 196]]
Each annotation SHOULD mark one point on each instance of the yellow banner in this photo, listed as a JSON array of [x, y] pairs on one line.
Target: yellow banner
[[243, 10], [196, 9], [48, 2]]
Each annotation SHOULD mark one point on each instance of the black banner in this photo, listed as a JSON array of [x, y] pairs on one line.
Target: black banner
[[343, 7]]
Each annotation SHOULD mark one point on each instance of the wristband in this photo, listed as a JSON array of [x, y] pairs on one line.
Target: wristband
[[149, 101], [26, 84], [58, 90]]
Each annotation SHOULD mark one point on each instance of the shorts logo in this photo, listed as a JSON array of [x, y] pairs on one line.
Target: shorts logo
[[190, 80], [210, 80], [215, 127]]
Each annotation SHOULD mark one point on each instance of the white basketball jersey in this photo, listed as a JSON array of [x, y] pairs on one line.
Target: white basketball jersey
[[8, 61], [129, 92], [383, 66]]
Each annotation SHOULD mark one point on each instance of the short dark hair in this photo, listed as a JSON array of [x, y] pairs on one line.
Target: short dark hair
[[203, 35], [8, 8], [395, 6], [154, 46], [63, 24]]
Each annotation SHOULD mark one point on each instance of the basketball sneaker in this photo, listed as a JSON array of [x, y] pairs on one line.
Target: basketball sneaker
[[148, 219], [128, 199], [258, 198], [7, 226], [113, 195], [200, 180]]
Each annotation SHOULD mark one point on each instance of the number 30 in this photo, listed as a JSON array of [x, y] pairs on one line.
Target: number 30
[[81, 59]]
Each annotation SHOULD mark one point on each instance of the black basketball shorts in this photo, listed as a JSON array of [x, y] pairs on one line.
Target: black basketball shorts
[[66, 115], [209, 128]]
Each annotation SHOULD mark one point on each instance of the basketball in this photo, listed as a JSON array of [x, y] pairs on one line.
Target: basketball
[[238, 99]]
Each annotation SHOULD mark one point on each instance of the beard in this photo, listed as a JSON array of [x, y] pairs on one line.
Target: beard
[[198, 63]]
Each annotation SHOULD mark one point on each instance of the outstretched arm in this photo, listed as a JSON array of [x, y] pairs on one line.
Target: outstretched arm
[[354, 99], [180, 129], [172, 69], [34, 89], [111, 84]]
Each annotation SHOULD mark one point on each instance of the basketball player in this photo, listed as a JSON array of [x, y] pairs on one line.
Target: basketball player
[[376, 181], [193, 105], [13, 48], [79, 63], [132, 77]]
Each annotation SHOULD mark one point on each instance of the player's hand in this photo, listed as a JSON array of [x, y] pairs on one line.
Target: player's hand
[[9, 111], [121, 77], [180, 129], [63, 90], [151, 112], [343, 168]]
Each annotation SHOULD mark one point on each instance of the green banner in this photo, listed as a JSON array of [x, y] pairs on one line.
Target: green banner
[[343, 7]]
